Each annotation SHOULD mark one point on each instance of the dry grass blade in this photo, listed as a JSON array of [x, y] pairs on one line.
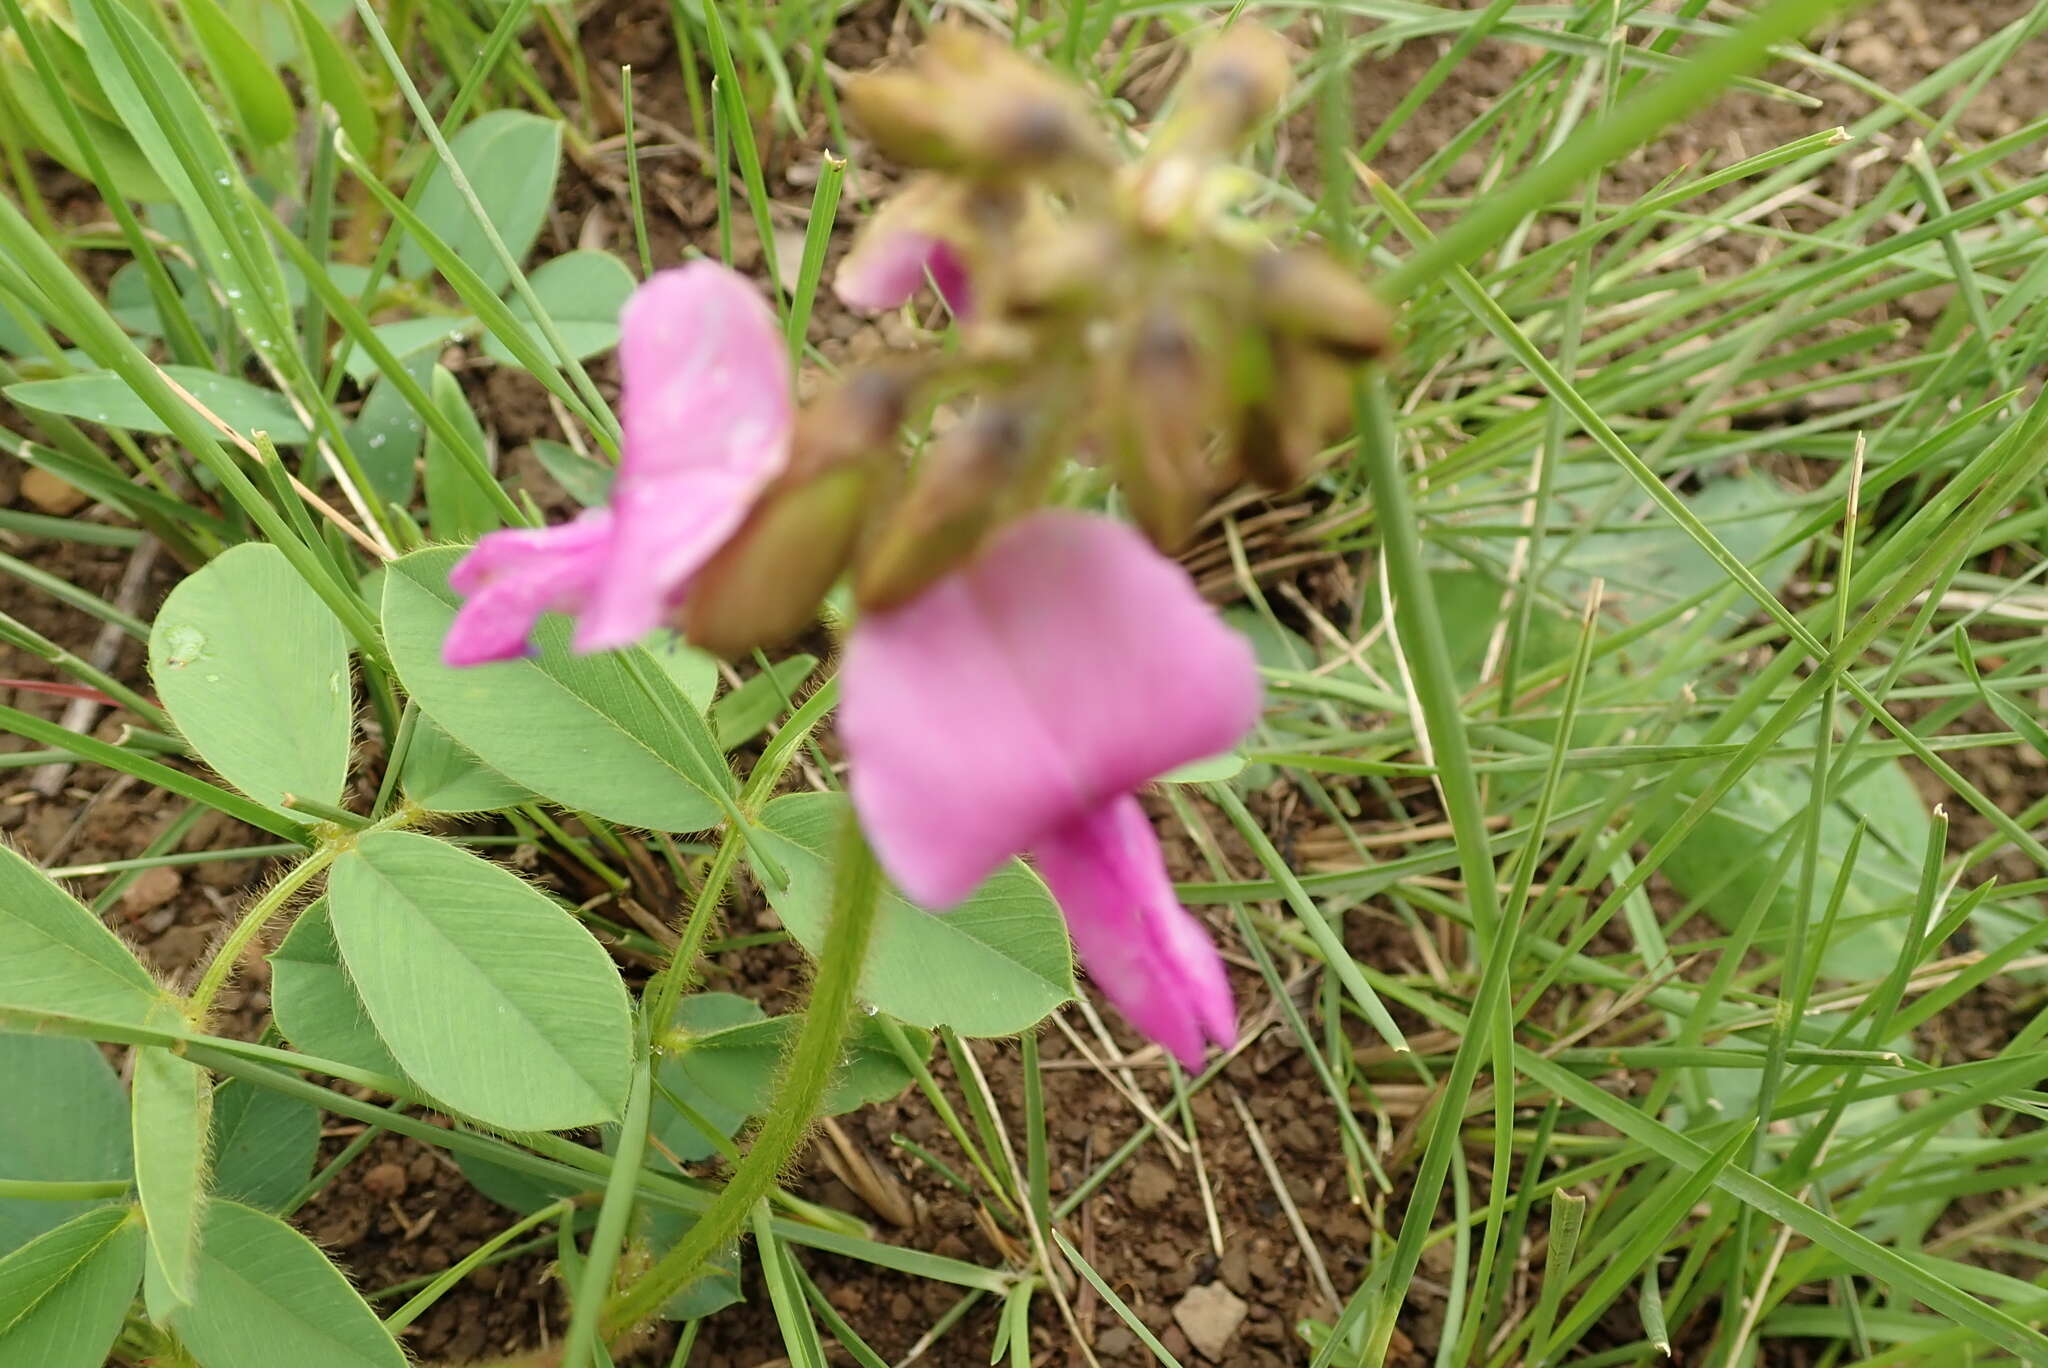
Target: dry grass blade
[[1314, 1256]]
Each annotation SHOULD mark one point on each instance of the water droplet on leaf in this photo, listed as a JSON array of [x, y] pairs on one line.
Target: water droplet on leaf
[[182, 646]]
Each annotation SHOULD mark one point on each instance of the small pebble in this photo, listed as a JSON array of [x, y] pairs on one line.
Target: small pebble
[[385, 1181], [151, 889], [1150, 1187], [50, 494], [1209, 1316]]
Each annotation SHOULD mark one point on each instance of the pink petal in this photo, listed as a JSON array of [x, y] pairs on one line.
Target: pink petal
[[515, 575], [1065, 666], [706, 408], [1149, 957], [885, 268]]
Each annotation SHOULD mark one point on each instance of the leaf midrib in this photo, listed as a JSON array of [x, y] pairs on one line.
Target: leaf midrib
[[229, 1271], [57, 1285], [427, 921], [144, 990], [668, 765]]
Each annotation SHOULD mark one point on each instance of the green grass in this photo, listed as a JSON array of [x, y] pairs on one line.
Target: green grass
[[1670, 577]]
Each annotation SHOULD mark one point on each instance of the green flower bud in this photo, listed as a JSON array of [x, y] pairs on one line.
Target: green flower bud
[[1303, 292], [971, 103], [1163, 406], [764, 586], [901, 113], [972, 477], [1061, 265], [1281, 438], [1234, 83]]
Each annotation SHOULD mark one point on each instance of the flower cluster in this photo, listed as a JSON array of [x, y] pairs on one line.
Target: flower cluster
[[1119, 303], [1016, 673]]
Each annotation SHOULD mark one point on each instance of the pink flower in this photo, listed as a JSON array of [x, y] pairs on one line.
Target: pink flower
[[705, 404], [885, 272], [515, 575], [1014, 707], [892, 253]]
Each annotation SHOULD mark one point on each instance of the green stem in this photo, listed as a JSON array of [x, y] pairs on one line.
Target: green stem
[[1328, 943], [23, 637], [185, 857], [581, 1342], [716, 777], [942, 1107], [633, 196], [167, 839], [577, 847], [824, 211], [254, 920], [264, 908], [685, 1342], [777, 754], [394, 759], [83, 600], [332, 1169], [1443, 721], [91, 327], [475, 1259], [681, 973], [811, 1065], [326, 812]]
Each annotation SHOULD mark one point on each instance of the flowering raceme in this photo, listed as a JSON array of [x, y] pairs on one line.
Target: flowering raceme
[[1016, 674], [1183, 348], [1011, 707]]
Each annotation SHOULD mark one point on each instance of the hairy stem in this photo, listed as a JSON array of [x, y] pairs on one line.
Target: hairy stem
[[797, 1096], [579, 1344], [333, 844], [681, 974], [222, 965]]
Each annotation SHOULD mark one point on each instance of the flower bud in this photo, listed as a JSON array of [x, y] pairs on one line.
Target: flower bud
[[972, 103], [1282, 436], [1163, 405], [1061, 265], [1234, 83], [855, 419], [764, 585], [1303, 292], [901, 113], [922, 228], [965, 484]]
